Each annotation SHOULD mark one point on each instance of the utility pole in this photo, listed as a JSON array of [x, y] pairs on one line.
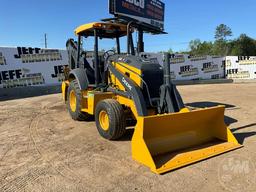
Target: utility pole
[[45, 41]]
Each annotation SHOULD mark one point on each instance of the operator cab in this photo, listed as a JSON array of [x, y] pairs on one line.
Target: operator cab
[[88, 60], [94, 62]]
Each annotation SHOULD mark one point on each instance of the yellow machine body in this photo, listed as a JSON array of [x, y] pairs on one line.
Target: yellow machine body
[[169, 141], [163, 142]]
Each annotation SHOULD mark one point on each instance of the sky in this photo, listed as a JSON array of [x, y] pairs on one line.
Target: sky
[[24, 23]]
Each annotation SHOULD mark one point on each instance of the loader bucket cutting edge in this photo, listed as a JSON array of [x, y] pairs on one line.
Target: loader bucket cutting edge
[[167, 142]]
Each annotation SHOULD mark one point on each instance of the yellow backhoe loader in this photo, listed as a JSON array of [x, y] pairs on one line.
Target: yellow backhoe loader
[[115, 87]]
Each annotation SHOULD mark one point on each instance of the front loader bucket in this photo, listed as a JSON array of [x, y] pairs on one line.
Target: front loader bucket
[[167, 142]]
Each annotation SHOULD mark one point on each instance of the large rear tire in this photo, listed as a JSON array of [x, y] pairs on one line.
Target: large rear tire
[[110, 119], [74, 102]]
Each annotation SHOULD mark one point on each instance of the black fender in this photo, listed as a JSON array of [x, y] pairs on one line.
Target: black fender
[[81, 76]]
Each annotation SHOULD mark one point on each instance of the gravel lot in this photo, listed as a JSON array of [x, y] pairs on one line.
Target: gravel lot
[[43, 149]]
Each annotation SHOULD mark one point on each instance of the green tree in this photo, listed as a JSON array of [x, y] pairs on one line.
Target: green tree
[[222, 32], [205, 48], [220, 48], [221, 44], [200, 48], [194, 45], [243, 46], [170, 51]]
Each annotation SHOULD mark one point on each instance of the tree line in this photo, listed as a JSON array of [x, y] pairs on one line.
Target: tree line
[[223, 46]]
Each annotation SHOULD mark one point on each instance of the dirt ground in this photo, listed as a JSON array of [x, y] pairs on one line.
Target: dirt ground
[[43, 149]]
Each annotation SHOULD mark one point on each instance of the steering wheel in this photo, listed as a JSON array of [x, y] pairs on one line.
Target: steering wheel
[[108, 53]]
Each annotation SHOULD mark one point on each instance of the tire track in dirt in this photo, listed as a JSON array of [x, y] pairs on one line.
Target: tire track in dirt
[[96, 163], [20, 182], [8, 148], [16, 179], [11, 182], [106, 172], [60, 168]]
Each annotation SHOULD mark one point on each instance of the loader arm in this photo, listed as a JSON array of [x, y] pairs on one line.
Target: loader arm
[[133, 92], [173, 136], [135, 77]]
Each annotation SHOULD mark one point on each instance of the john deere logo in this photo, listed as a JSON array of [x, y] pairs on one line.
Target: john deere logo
[[126, 83]]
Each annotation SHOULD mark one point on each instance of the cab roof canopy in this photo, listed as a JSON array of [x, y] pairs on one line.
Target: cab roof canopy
[[105, 29]]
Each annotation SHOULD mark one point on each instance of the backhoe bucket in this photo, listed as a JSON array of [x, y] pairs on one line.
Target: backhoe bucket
[[167, 142]]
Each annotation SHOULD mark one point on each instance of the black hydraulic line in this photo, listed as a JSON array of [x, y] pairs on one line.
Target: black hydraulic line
[[119, 92]]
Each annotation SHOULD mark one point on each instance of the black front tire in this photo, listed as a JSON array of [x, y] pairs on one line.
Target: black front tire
[[116, 116], [76, 114]]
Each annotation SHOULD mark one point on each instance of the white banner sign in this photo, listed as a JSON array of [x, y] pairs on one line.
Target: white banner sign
[[185, 67], [27, 66], [241, 67]]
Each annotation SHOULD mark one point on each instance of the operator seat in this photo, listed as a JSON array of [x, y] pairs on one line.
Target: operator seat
[[89, 71]]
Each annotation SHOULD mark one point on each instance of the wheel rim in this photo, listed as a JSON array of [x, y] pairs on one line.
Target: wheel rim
[[104, 120], [72, 100]]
